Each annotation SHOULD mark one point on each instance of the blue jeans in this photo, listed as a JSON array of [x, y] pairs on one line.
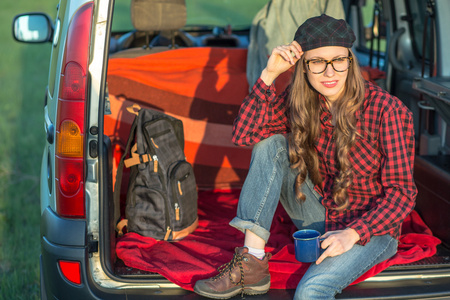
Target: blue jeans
[[270, 180]]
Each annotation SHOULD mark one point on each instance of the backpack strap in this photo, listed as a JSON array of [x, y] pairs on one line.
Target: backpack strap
[[123, 223], [119, 173], [135, 158], [134, 109]]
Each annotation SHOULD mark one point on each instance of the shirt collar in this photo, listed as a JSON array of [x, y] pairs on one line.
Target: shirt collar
[[325, 114]]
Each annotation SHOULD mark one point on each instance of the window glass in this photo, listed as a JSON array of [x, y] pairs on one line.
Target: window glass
[[417, 11], [206, 13], [237, 13], [374, 26], [121, 16]]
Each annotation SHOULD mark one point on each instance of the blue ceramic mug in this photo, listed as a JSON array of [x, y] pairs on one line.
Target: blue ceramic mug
[[307, 245]]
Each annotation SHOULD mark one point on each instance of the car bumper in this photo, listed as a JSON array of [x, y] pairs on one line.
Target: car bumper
[[63, 239]]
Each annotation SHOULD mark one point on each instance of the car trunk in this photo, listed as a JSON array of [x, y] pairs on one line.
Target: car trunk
[[204, 88]]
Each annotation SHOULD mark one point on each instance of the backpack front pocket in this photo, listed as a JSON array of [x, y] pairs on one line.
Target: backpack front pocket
[[146, 212], [183, 195]]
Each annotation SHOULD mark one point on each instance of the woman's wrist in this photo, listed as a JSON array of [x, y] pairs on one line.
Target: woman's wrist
[[354, 235], [268, 77]]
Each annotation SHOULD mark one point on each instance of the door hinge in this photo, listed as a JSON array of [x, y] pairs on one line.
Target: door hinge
[[92, 244]]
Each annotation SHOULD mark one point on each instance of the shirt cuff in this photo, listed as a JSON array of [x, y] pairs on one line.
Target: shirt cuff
[[363, 230], [268, 89]]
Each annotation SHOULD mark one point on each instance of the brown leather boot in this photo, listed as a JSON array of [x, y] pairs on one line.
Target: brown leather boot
[[244, 274]]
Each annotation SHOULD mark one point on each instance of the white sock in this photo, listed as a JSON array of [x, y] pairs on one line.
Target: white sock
[[259, 253]]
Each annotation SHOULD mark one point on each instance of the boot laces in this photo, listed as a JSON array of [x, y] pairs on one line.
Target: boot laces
[[228, 267]]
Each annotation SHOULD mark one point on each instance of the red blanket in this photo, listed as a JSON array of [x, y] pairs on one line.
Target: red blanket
[[212, 244]]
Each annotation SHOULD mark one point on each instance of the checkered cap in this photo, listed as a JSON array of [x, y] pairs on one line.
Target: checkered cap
[[324, 31]]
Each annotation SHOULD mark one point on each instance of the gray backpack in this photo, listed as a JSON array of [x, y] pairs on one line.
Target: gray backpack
[[162, 194]]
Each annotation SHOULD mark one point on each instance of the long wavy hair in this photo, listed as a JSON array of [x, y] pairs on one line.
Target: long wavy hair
[[305, 110]]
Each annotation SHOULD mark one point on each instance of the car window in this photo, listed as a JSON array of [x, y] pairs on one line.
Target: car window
[[418, 16], [374, 26], [370, 27], [205, 13]]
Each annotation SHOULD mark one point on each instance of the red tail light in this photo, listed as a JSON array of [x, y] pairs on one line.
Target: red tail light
[[74, 82], [70, 124]]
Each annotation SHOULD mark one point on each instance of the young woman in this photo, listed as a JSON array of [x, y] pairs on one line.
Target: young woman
[[337, 151]]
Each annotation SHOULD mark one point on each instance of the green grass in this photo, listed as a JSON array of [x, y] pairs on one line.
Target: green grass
[[23, 78]]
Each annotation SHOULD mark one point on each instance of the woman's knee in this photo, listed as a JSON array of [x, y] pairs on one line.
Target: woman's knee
[[329, 278], [311, 290], [270, 146]]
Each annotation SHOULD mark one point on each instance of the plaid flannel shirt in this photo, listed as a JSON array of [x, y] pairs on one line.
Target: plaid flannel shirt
[[383, 191]]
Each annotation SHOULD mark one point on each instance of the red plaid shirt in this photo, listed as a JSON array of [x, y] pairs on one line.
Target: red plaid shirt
[[383, 191]]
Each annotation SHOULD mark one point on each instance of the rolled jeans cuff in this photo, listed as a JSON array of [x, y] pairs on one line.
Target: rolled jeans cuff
[[243, 225]]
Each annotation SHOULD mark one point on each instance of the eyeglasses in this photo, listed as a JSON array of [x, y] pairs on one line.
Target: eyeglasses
[[340, 64]]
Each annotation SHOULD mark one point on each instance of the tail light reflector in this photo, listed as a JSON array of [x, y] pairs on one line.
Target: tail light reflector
[[71, 270]]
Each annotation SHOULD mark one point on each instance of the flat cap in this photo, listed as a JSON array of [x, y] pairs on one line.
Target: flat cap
[[324, 31]]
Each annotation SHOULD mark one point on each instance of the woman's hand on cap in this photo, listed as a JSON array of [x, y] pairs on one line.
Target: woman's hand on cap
[[295, 51], [281, 59], [290, 53]]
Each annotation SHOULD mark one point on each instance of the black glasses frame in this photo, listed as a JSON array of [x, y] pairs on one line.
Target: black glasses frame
[[329, 62]]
